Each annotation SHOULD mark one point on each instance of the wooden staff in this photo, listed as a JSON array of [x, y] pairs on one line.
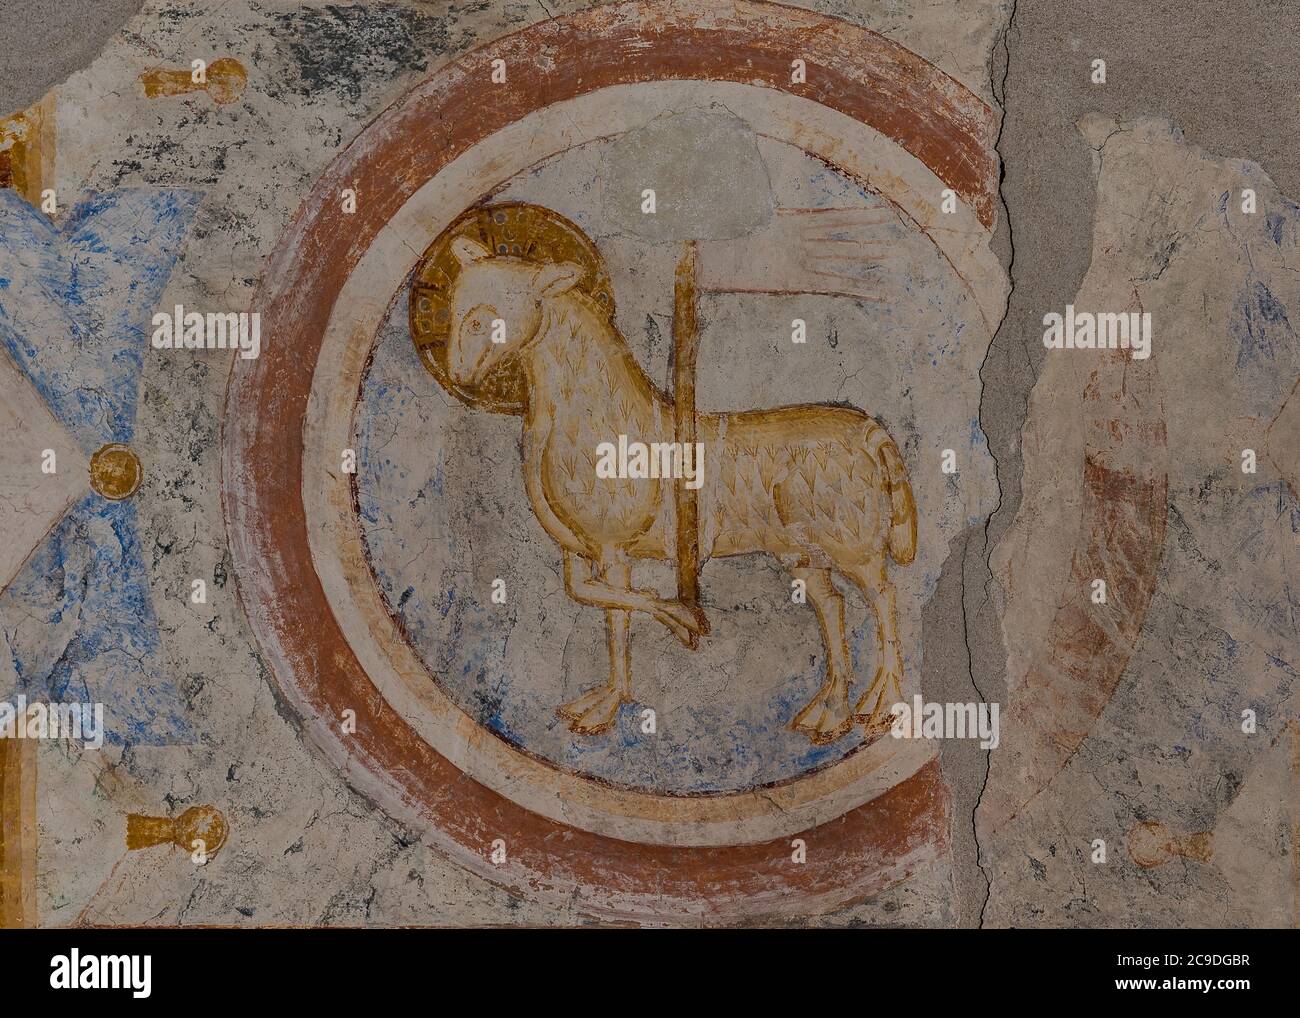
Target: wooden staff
[[686, 343]]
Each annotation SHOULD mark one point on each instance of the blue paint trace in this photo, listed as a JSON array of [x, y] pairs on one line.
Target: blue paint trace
[[80, 623], [75, 306]]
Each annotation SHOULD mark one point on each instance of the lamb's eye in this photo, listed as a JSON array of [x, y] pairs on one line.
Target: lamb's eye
[[479, 319]]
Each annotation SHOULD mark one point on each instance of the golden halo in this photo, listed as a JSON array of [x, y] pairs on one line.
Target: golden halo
[[511, 229]]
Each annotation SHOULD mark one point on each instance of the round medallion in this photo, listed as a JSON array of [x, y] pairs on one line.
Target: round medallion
[[115, 472], [721, 846]]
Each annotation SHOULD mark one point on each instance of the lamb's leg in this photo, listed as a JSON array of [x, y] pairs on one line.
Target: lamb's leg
[[581, 585], [827, 716], [597, 709], [872, 708]]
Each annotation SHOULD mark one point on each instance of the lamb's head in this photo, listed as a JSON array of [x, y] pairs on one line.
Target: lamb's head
[[496, 307]]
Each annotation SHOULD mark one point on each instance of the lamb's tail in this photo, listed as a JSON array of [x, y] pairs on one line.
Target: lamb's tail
[[902, 527]]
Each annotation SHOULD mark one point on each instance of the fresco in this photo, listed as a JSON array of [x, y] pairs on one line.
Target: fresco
[[471, 465]]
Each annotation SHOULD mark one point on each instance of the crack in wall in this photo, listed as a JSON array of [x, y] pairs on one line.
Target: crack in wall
[[999, 89]]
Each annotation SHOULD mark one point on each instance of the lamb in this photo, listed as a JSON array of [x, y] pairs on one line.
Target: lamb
[[822, 488]]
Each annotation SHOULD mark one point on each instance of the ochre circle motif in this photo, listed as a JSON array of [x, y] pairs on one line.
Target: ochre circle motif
[[115, 472]]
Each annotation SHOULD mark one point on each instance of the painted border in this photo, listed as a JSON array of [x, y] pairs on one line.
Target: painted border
[[17, 834]]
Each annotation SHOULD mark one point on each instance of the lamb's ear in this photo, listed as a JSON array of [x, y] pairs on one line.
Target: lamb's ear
[[553, 280], [468, 251]]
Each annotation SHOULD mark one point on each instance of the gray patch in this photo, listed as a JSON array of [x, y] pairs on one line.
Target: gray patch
[[699, 164]]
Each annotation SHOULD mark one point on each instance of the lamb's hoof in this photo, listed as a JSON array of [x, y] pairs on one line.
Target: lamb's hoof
[[697, 625], [689, 616], [873, 708], [826, 718], [595, 711], [687, 621]]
